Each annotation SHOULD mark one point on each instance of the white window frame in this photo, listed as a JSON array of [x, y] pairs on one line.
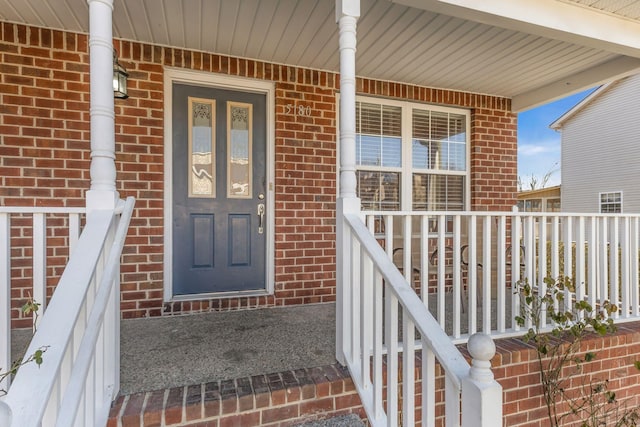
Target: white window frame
[[407, 170], [600, 204]]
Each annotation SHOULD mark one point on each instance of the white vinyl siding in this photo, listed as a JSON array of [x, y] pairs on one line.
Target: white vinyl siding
[[601, 150]]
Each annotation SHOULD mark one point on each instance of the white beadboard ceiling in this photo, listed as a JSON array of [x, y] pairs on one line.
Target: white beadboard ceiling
[[532, 51]]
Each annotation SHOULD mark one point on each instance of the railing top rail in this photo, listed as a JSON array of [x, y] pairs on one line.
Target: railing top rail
[[454, 364], [499, 213], [42, 209]]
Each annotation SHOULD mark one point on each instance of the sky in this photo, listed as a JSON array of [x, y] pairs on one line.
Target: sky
[[539, 145]]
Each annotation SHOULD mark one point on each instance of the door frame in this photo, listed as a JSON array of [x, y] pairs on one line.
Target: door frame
[[219, 81]]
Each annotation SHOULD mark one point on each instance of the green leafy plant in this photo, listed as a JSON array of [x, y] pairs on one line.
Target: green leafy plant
[[29, 308], [557, 325]]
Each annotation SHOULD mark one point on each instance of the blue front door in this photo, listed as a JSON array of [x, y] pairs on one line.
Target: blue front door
[[219, 187]]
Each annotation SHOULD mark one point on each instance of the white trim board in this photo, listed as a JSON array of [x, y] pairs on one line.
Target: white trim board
[[178, 75]]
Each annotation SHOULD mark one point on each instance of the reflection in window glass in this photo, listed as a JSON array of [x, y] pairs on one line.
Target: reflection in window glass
[[239, 118], [439, 141], [379, 191], [438, 192], [201, 143]]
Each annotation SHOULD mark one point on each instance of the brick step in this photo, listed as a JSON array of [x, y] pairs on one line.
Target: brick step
[[351, 420], [290, 398]]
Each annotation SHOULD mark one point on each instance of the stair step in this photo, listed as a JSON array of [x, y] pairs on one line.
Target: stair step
[[283, 398], [351, 420]]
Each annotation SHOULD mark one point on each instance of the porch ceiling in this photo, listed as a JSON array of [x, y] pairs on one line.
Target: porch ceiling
[[532, 51]]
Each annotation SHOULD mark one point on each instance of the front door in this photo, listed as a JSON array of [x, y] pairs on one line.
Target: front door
[[219, 188]]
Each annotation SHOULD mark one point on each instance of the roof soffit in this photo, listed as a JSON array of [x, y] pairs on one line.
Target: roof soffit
[[532, 51]]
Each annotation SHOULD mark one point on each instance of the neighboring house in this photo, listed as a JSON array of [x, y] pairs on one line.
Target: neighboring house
[[540, 200], [600, 150]]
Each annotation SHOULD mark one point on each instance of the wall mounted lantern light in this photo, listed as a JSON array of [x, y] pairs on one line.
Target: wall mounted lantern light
[[119, 79]]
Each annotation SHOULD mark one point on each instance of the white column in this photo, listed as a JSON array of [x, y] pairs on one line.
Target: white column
[[102, 194], [347, 13]]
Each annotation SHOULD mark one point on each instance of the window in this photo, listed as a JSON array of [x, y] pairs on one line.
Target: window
[[533, 205], [611, 202], [411, 156], [553, 205]]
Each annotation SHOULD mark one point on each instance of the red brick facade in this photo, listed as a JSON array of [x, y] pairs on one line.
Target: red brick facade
[[44, 155]]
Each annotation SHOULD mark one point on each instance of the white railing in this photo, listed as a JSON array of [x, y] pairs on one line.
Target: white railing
[[23, 238], [374, 299], [79, 375], [463, 267]]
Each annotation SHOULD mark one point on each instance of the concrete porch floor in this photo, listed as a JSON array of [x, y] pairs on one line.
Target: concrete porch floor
[[166, 352]]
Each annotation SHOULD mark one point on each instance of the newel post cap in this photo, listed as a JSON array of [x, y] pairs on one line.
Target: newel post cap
[[482, 349]]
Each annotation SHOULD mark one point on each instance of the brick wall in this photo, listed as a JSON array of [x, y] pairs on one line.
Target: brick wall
[[515, 368], [44, 155]]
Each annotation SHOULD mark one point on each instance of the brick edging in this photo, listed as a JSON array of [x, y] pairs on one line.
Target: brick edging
[[277, 399]]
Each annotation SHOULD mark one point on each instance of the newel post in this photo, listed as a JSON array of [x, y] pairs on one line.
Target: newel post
[[102, 194], [481, 394], [5, 414], [347, 13]]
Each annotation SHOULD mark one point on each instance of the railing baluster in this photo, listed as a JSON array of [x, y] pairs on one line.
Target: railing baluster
[[457, 278], [407, 251], [501, 273], [592, 253], [579, 258], [391, 341], [5, 296], [555, 247], [624, 268], [354, 309], [441, 270], [529, 250], [451, 402], [366, 316], [428, 385], [472, 282], [542, 265], [614, 265], [408, 370], [424, 260], [603, 259], [568, 257], [486, 274], [634, 278], [39, 263], [378, 322], [74, 231], [515, 268]]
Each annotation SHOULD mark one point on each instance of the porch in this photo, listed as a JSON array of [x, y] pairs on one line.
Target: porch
[[388, 331], [400, 325]]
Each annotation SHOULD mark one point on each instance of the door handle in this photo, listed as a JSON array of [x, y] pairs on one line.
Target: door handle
[[260, 218]]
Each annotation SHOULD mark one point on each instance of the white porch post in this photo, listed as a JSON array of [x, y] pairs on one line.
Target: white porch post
[[102, 194], [347, 13]]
